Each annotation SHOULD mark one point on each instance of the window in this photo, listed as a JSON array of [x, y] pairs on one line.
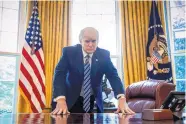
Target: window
[[9, 58], [175, 14], [9, 12], [101, 14], [9, 66]]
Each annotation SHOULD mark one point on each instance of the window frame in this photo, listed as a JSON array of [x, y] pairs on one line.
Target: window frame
[[17, 56], [170, 38], [22, 16]]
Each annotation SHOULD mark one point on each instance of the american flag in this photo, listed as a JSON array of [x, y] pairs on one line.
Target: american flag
[[32, 76], [155, 57]]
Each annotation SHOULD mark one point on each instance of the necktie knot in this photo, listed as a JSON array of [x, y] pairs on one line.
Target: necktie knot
[[87, 57]]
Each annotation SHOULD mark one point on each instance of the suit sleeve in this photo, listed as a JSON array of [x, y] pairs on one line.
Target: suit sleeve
[[59, 79], [112, 75]]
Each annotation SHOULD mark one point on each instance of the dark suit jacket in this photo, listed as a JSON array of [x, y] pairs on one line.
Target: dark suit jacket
[[69, 75]]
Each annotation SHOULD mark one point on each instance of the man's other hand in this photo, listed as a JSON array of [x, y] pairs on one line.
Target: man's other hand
[[61, 107], [123, 107]]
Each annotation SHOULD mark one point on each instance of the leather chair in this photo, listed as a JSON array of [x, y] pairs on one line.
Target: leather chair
[[148, 94]]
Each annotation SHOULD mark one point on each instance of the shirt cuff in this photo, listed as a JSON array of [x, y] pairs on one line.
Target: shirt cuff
[[59, 97], [120, 95]]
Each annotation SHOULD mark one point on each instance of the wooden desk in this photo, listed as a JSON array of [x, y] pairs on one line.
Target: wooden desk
[[100, 118]]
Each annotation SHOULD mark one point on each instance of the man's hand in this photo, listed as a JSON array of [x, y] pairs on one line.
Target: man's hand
[[123, 107], [61, 107]]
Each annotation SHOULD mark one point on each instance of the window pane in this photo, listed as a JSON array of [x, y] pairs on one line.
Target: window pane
[[100, 1], [180, 85], [1, 3], [11, 4], [180, 63], [81, 21], [10, 20], [108, 19], [108, 8], [79, 1], [178, 17], [78, 22], [94, 1], [94, 21], [9, 17], [94, 8], [9, 13], [108, 38], [0, 18], [8, 82], [179, 40], [8, 42], [79, 9]]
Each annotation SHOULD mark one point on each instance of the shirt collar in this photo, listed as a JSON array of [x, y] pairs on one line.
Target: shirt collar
[[84, 54]]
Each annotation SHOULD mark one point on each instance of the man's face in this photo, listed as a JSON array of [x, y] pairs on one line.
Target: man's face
[[89, 41]]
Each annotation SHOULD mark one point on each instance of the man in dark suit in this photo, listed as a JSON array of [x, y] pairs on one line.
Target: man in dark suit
[[78, 75]]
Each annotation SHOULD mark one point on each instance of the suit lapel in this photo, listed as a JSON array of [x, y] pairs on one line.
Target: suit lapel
[[94, 64], [79, 61]]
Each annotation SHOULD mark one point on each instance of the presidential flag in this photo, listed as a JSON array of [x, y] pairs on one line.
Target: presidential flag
[[158, 62], [32, 76]]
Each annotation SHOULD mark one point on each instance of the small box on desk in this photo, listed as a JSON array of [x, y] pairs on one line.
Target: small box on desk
[[157, 114]]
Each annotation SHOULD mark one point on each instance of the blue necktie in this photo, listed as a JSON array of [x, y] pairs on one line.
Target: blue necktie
[[86, 85]]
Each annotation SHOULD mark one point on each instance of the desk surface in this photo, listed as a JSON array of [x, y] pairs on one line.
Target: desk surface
[[98, 118]]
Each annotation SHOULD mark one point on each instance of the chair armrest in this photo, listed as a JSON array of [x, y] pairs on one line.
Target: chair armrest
[[142, 89], [162, 91]]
